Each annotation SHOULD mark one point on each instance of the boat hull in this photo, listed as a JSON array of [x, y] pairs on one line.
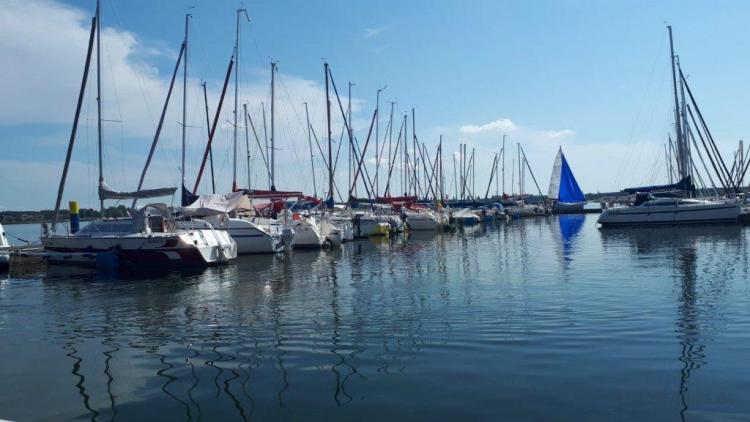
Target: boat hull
[[669, 215], [196, 247]]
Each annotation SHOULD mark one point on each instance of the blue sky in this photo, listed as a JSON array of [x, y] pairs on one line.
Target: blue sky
[[590, 76]]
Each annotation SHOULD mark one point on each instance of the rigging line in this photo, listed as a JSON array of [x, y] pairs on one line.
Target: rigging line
[[719, 175], [295, 151], [137, 75], [700, 156]]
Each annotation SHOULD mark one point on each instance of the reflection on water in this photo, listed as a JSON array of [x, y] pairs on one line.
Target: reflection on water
[[481, 323]]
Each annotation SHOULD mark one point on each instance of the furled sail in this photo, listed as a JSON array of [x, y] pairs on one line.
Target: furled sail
[[105, 192]]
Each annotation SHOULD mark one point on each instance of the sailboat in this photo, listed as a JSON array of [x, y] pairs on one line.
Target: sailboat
[[655, 205], [152, 234], [563, 188]]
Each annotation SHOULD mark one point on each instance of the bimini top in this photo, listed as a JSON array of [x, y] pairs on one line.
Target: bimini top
[[563, 185]]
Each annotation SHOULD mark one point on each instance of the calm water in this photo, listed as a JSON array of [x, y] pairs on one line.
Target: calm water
[[547, 319]]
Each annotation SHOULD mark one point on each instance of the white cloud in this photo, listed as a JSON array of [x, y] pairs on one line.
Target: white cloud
[[559, 134], [503, 124], [46, 43]]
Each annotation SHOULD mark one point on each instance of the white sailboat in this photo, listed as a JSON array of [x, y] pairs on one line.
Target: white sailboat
[[648, 209], [152, 234]]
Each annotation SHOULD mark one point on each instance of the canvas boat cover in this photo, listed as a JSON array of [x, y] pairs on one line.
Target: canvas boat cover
[[214, 204]]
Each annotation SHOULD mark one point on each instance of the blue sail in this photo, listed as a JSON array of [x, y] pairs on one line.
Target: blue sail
[[569, 189]]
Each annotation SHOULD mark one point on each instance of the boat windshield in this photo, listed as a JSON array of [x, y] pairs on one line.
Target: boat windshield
[[107, 227]]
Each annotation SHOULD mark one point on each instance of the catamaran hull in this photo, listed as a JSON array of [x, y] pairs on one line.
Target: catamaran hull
[[667, 215]]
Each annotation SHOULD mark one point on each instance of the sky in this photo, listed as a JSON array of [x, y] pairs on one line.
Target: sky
[[591, 77]]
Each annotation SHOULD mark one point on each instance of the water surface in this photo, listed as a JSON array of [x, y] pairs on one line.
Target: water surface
[[546, 319]]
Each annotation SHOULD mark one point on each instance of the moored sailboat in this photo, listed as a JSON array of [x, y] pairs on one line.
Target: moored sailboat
[[151, 234]]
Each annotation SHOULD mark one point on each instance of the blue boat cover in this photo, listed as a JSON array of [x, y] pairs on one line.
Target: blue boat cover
[[569, 189]]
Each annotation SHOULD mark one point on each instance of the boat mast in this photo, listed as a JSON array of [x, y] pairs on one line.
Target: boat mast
[[99, 101], [390, 143], [273, 137], [312, 155], [236, 95], [184, 104], [247, 145], [678, 122], [503, 164], [330, 151], [81, 95], [208, 129]]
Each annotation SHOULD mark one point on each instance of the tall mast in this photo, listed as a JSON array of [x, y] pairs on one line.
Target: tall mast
[[312, 155], [208, 129], [414, 151], [350, 134], [390, 142], [184, 104], [99, 100], [520, 171], [503, 164], [678, 122], [273, 138], [377, 134], [330, 151], [72, 140], [236, 95], [247, 145]]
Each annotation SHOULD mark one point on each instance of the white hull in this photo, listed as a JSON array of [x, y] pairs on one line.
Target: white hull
[[253, 238], [197, 247], [421, 221], [4, 256], [524, 211], [706, 212], [307, 234]]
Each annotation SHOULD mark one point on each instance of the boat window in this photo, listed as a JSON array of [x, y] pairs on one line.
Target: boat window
[[109, 227]]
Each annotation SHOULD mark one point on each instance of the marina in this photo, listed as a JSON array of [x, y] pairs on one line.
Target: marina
[[332, 240], [518, 312]]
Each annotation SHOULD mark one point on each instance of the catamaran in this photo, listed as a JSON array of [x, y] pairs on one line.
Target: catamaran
[[150, 234], [664, 204]]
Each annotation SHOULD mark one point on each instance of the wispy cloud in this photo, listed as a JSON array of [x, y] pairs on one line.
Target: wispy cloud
[[374, 32], [559, 134], [502, 124]]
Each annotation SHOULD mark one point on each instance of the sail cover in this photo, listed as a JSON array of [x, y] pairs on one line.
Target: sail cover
[[105, 192], [563, 185], [215, 204]]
